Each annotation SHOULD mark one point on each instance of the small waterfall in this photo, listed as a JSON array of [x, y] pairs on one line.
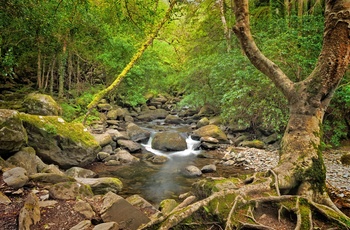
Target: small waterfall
[[191, 148]]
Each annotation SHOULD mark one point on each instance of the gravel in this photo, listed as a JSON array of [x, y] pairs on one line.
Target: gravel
[[338, 175]]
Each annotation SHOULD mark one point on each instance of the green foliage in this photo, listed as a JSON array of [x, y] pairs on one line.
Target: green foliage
[[336, 121]]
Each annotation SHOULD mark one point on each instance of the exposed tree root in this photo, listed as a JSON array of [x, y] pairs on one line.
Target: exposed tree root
[[240, 208]]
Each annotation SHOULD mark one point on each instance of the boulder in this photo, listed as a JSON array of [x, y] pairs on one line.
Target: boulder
[[136, 133], [169, 141], [253, 144], [4, 199], [203, 122], [12, 133], [80, 172], [173, 119], [30, 213], [69, 191], [207, 110], [151, 115], [51, 178], [117, 209], [107, 226], [25, 158], [143, 205], [83, 225], [125, 157], [129, 145], [208, 168], [41, 104], [210, 131], [103, 139], [58, 142], [102, 185], [84, 209], [16, 177], [191, 171], [102, 156], [167, 206]]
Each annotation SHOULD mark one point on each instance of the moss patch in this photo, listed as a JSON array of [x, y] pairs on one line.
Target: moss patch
[[57, 126]]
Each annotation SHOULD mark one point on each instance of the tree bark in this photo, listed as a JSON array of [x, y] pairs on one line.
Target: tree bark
[[301, 170], [133, 60]]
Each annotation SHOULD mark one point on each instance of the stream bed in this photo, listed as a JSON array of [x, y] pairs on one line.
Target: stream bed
[[156, 182]]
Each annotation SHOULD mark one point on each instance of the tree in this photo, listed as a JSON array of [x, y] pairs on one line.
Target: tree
[[297, 185], [301, 167]]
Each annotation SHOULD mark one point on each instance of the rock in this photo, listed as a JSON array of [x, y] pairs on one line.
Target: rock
[[206, 110], [112, 114], [211, 140], [107, 226], [156, 159], [208, 168], [143, 205], [15, 177], [125, 157], [51, 178], [136, 133], [104, 107], [215, 120], [25, 158], [102, 185], [84, 208], [253, 144], [80, 172], [151, 115], [206, 145], [271, 139], [4, 199], [191, 171], [41, 104], [112, 163], [103, 139], [169, 141], [173, 119], [131, 146], [40, 165], [211, 131], [69, 191], [52, 169], [203, 122], [107, 149], [30, 213], [58, 142], [117, 209], [128, 118], [102, 156], [117, 135], [83, 225], [345, 159], [167, 206], [12, 133]]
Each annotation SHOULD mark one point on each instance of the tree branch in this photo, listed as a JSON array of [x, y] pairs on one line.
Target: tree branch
[[257, 58]]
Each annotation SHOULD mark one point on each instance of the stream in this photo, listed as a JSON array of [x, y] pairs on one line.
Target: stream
[[156, 182]]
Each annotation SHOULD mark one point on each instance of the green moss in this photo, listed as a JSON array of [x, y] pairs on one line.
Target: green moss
[[55, 125]]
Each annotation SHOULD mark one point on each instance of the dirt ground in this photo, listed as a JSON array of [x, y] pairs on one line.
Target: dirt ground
[[62, 216]]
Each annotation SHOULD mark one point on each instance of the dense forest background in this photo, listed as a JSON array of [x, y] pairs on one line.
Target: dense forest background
[[73, 49]]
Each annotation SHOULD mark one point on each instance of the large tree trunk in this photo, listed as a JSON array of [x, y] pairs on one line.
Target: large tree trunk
[[301, 170]]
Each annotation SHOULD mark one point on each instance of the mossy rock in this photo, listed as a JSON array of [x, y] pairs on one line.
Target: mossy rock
[[70, 191], [345, 159], [253, 144], [58, 142], [102, 185], [41, 104], [12, 133], [211, 131]]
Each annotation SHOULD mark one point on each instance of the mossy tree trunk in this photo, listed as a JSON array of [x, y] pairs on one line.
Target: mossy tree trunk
[[301, 170], [128, 67]]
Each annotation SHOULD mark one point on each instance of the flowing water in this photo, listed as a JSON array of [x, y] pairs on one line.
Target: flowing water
[[156, 182]]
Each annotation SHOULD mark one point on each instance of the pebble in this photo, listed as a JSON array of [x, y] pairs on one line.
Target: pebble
[[262, 160]]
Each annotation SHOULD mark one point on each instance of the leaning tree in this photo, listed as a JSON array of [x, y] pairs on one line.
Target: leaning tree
[[297, 186]]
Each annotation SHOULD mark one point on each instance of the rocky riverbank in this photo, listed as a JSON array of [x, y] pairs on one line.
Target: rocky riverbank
[[63, 196]]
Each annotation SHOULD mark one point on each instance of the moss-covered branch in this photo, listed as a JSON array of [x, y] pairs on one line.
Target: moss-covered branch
[[98, 96]]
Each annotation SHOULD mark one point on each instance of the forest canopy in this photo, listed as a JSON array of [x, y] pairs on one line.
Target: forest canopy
[[73, 49]]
